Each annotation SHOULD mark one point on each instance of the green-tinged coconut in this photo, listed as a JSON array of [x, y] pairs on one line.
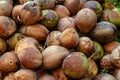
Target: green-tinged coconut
[[108, 4], [114, 16], [49, 18], [46, 4], [12, 41], [75, 65], [98, 51], [93, 68]]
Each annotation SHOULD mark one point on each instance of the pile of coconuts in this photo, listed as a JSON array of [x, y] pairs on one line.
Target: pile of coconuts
[[59, 40]]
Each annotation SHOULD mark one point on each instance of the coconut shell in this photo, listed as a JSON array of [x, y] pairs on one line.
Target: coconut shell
[[86, 20], [64, 23], [36, 31], [63, 9], [95, 6], [104, 32], [5, 8], [106, 62], [29, 13], [53, 56], [9, 62], [53, 38], [26, 42], [30, 57], [108, 48], [73, 6], [7, 26], [75, 65], [10, 76], [85, 45], [28, 74], [115, 57], [69, 38]]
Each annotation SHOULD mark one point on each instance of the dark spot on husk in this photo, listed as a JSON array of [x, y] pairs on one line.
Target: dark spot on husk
[[31, 7]]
